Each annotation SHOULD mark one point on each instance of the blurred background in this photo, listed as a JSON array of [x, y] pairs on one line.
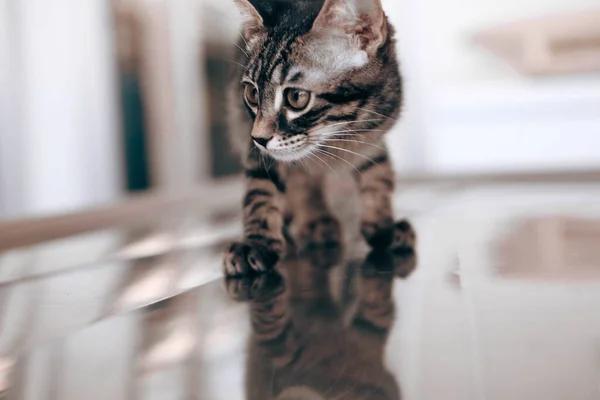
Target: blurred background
[[102, 99], [118, 194]]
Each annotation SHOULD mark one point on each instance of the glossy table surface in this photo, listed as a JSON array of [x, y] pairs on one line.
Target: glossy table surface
[[504, 303]]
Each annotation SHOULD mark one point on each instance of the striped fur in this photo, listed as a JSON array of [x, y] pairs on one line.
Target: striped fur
[[308, 345], [342, 53]]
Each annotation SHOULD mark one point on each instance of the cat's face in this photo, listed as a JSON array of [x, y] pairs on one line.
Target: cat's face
[[313, 81]]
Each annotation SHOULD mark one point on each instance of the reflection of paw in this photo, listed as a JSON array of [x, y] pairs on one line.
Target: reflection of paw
[[405, 262], [258, 287], [382, 262], [404, 248], [404, 236], [400, 256], [246, 258], [378, 234], [322, 231]]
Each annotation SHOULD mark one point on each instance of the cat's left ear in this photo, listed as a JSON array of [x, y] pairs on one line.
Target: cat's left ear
[[252, 20], [363, 19]]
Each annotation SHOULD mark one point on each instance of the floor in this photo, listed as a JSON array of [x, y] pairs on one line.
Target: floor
[[504, 304]]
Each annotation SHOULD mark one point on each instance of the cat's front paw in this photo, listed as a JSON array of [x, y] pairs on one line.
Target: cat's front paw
[[243, 258], [257, 287], [321, 231], [404, 248], [405, 236], [387, 234], [379, 234], [400, 257]]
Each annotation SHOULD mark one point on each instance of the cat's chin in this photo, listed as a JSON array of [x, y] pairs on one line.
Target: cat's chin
[[289, 156]]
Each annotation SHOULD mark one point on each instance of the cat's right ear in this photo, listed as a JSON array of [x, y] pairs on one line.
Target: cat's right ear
[[252, 21], [363, 20]]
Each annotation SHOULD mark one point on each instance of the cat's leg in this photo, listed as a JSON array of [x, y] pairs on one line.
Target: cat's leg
[[375, 311], [273, 330], [374, 314], [313, 223], [263, 243], [376, 184]]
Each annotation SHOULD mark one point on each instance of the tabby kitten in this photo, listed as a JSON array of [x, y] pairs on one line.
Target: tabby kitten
[[317, 88]]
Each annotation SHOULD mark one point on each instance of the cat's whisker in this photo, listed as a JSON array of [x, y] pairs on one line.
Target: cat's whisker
[[324, 162], [332, 137], [326, 134], [340, 158], [332, 386], [348, 391], [228, 20], [272, 162], [326, 154], [322, 152], [347, 123], [210, 31], [300, 160], [375, 113], [240, 47], [266, 161], [344, 123], [252, 148], [358, 121], [356, 141], [236, 63], [350, 151]]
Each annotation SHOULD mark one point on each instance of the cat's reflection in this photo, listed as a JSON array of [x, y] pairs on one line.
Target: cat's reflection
[[308, 344]]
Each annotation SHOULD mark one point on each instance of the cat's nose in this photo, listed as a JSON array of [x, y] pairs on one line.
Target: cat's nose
[[261, 141]]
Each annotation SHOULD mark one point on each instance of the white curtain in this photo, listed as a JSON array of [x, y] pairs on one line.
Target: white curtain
[[59, 121]]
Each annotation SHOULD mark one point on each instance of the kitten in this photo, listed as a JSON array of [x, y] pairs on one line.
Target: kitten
[[317, 88], [306, 344]]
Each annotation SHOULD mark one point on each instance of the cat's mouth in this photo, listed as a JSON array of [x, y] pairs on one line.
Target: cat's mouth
[[286, 149]]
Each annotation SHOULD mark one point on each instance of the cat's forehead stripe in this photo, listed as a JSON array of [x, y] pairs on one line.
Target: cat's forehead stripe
[[265, 55], [281, 55], [296, 77], [272, 54]]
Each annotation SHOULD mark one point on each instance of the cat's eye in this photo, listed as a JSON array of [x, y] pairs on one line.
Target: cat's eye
[[297, 99], [251, 95]]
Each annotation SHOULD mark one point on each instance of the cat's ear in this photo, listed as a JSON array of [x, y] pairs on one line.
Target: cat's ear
[[252, 20], [363, 19]]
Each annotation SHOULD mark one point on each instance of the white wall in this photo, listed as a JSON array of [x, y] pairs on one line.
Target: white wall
[[10, 182], [61, 135], [467, 111]]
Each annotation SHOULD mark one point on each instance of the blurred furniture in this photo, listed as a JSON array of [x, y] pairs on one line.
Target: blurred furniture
[[561, 43], [551, 249], [174, 61], [160, 48]]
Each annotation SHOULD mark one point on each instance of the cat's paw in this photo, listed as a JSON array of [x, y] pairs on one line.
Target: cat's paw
[[405, 262], [243, 258], [399, 262], [322, 231], [380, 234], [387, 234], [257, 287], [405, 236], [404, 248]]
